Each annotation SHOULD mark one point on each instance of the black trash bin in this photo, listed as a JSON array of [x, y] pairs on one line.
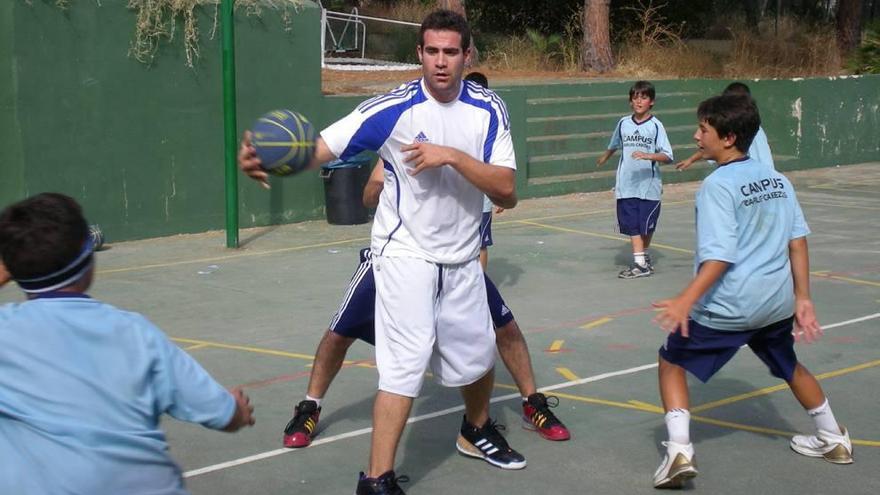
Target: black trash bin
[[344, 183]]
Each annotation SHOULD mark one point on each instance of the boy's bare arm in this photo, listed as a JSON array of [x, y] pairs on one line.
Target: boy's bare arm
[[374, 186], [654, 157], [674, 316], [687, 162], [5, 277], [244, 411], [807, 326], [604, 158]]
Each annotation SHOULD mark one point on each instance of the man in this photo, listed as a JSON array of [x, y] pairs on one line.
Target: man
[[443, 146]]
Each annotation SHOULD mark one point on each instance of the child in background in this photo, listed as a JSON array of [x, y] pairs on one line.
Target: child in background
[[643, 142]]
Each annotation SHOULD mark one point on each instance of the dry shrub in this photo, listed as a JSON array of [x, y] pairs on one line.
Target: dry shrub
[[655, 48], [516, 53], [657, 61], [796, 48], [406, 10]]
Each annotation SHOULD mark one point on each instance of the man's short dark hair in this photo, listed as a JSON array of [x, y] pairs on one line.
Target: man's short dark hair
[[642, 88], [479, 78], [732, 114], [737, 88], [446, 20], [41, 235]]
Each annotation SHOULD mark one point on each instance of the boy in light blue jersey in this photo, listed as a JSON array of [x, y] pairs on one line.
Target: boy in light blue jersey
[[751, 288], [759, 150], [644, 145], [83, 384]]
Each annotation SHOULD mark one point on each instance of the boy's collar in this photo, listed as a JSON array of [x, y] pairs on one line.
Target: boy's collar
[[648, 117], [735, 160], [57, 294]]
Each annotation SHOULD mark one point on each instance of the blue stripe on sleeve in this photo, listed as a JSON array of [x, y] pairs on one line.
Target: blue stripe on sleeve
[[492, 131], [374, 131]]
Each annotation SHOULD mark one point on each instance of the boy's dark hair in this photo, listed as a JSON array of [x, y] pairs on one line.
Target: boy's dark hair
[[737, 88], [479, 78], [41, 235], [642, 88], [732, 114], [446, 20]]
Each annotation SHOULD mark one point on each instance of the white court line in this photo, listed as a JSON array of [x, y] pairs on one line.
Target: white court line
[[444, 412]]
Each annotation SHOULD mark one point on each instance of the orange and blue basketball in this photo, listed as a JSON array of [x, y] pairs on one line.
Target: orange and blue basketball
[[284, 140]]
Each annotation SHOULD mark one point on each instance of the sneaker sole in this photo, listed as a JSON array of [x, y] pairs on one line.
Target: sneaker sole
[[528, 425], [678, 479], [630, 277], [467, 449], [837, 455]]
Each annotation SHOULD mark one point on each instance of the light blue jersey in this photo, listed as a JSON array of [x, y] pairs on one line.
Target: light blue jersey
[[639, 178], [82, 387], [746, 216], [760, 149], [487, 204]]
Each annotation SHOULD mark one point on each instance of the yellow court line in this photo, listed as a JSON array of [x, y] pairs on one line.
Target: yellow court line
[[568, 374], [232, 256], [581, 213], [813, 203], [257, 350], [327, 244], [826, 274], [651, 408], [556, 345], [596, 323], [647, 407], [777, 388], [604, 236], [196, 346]]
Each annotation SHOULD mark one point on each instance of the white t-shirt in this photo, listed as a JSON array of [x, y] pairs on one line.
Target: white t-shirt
[[436, 214]]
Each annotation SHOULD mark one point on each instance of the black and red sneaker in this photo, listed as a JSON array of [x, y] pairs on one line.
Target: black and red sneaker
[[538, 417], [386, 484], [301, 429]]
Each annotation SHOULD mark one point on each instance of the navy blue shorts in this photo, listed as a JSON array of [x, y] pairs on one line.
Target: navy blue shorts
[[486, 230], [707, 350], [355, 317], [637, 216]]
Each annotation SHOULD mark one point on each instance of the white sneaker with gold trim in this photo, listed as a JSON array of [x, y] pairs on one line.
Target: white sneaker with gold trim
[[833, 447], [677, 467]]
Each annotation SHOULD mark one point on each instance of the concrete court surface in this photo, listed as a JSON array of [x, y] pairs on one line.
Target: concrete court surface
[[253, 317]]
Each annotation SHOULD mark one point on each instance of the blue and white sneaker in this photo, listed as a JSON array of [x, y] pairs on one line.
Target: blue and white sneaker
[[487, 443]]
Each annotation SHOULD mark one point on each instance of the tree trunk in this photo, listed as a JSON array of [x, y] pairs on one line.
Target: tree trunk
[[849, 25], [596, 49], [459, 6]]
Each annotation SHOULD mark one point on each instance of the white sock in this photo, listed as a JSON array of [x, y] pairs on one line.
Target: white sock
[[824, 418], [639, 259], [678, 425], [316, 399]]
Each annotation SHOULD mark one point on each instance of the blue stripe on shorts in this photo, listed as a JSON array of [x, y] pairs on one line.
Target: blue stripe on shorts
[[355, 318]]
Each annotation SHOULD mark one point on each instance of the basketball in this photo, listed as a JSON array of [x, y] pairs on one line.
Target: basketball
[[285, 142], [97, 236]]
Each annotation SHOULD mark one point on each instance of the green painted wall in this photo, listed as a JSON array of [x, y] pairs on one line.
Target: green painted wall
[[141, 146]]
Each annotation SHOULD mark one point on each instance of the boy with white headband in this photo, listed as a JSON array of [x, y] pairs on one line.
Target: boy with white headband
[[84, 383]]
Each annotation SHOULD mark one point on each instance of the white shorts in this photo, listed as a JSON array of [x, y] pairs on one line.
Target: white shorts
[[429, 313]]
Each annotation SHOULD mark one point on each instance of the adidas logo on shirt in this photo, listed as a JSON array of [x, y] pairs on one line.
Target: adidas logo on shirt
[[504, 310], [421, 138]]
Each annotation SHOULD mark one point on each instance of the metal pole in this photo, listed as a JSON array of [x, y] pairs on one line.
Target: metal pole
[[229, 121]]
